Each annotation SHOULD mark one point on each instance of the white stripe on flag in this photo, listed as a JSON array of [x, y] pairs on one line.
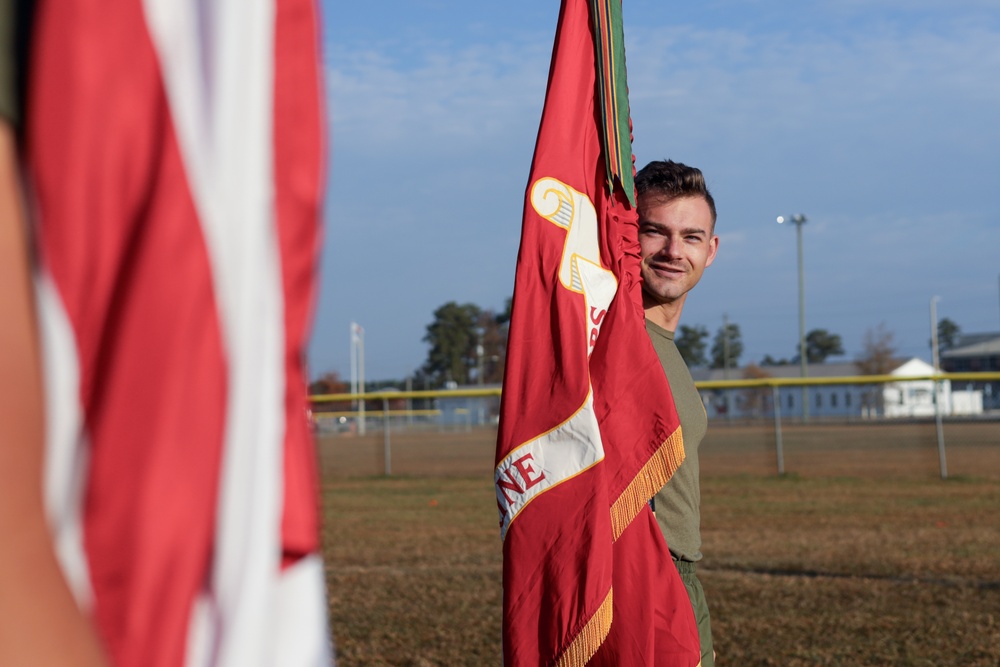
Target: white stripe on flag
[[66, 452], [302, 636], [548, 460], [217, 61]]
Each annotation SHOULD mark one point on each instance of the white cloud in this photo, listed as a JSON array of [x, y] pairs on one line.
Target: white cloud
[[882, 129], [474, 95]]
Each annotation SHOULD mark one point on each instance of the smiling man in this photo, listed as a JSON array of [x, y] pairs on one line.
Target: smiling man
[[677, 240]]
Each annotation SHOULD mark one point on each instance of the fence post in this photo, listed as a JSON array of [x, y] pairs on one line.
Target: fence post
[[776, 394], [385, 434], [940, 429]]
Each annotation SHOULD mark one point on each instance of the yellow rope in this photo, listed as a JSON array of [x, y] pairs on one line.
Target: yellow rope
[[588, 640], [651, 478]]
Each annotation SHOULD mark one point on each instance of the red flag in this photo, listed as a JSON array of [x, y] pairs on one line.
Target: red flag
[[175, 154], [588, 430]]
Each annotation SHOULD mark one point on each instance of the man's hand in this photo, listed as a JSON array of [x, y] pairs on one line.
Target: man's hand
[[40, 624]]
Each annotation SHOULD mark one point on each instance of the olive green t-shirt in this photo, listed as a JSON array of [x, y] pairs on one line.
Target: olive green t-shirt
[[8, 81], [8, 58], [678, 504]]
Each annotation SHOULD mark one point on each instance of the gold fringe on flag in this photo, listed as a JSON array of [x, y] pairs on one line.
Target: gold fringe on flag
[[588, 640], [651, 478], [660, 468]]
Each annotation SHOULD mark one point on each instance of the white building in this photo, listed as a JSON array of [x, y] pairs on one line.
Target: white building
[[915, 398], [906, 398]]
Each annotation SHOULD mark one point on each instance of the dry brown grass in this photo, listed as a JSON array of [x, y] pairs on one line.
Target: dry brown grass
[[413, 567], [801, 622], [861, 557], [853, 572], [862, 449]]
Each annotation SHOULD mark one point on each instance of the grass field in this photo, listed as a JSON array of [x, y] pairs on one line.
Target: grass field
[[860, 555]]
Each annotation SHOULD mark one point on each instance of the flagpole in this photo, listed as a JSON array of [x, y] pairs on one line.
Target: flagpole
[[354, 363]]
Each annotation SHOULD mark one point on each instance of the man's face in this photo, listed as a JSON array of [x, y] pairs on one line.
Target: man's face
[[677, 243]]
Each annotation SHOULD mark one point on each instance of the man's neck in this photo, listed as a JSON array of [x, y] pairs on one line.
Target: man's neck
[[665, 315]]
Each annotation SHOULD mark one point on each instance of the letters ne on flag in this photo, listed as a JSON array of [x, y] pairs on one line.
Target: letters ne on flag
[[588, 432]]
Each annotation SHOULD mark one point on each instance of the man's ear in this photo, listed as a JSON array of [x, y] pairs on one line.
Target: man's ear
[[713, 248]]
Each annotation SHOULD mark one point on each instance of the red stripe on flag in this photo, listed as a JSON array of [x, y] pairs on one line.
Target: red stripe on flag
[[120, 235], [298, 155]]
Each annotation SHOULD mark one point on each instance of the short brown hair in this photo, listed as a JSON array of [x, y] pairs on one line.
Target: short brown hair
[[667, 180]]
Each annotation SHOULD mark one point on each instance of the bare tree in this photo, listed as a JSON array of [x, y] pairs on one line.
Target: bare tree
[[879, 351], [756, 400], [492, 330], [877, 359], [328, 383]]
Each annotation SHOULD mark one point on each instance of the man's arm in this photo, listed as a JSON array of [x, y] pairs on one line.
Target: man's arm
[[40, 623]]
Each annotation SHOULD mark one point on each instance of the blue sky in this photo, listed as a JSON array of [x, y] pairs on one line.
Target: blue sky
[[878, 119]]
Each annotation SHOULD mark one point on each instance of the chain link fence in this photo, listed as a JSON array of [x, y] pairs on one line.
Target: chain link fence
[[943, 424]]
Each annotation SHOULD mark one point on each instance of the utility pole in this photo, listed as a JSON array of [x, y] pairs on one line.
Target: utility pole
[[480, 408], [937, 389], [799, 220], [935, 360], [725, 346], [725, 363]]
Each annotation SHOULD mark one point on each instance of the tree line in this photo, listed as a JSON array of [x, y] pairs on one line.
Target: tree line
[[468, 346], [727, 347]]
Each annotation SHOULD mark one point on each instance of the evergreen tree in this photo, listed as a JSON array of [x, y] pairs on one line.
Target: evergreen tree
[[690, 342], [821, 344], [948, 334], [453, 338], [727, 347]]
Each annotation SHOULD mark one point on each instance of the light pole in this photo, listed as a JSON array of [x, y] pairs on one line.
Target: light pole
[[358, 371], [798, 221]]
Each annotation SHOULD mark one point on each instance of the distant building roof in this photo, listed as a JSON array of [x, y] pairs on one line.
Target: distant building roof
[[975, 345], [827, 370], [915, 367], [965, 339]]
